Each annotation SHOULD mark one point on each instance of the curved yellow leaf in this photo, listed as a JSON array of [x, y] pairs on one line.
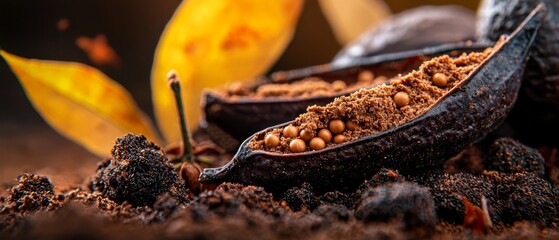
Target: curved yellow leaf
[[348, 19], [80, 102], [212, 42]]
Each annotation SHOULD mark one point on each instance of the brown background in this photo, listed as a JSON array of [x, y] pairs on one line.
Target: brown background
[[28, 29]]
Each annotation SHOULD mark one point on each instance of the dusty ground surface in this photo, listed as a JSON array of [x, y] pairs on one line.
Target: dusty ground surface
[[56, 200]]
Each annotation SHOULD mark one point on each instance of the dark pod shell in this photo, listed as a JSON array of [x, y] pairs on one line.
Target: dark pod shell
[[539, 96], [416, 28], [464, 115], [498, 17], [243, 117]]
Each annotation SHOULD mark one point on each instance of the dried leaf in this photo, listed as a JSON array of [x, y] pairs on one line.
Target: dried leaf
[[99, 51], [80, 102], [475, 218], [348, 19], [212, 42]]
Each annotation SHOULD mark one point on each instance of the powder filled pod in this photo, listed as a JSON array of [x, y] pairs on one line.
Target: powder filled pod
[[473, 107], [240, 110]]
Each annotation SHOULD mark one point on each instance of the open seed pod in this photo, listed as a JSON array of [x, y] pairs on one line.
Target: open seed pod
[[243, 109], [465, 113]]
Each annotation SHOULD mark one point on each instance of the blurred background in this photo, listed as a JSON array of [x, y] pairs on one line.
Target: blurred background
[[63, 29]]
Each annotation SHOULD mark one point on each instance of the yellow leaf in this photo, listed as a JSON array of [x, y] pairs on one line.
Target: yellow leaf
[[349, 19], [80, 102], [212, 42]]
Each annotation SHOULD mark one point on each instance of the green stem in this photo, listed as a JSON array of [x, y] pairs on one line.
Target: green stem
[[174, 83]]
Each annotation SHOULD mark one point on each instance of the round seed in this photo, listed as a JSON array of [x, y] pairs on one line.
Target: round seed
[[401, 99], [351, 125], [338, 85], [290, 131], [439, 79], [271, 140], [317, 143], [297, 146], [366, 76], [306, 135], [325, 134], [336, 126], [339, 138]]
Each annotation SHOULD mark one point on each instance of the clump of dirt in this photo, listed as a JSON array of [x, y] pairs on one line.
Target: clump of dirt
[[509, 156], [406, 202], [373, 110], [304, 88], [230, 199], [387, 205], [138, 173], [511, 197], [32, 193]]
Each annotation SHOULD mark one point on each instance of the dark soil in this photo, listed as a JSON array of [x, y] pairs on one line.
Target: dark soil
[[136, 194]]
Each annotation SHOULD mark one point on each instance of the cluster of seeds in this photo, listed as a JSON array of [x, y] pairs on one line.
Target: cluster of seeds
[[370, 111], [316, 140], [402, 99]]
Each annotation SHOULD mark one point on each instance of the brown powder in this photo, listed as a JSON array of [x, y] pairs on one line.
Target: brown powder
[[305, 88], [374, 110]]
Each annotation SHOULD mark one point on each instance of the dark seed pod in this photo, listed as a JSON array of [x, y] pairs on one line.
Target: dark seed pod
[[466, 113], [539, 96], [498, 17], [416, 28], [241, 116]]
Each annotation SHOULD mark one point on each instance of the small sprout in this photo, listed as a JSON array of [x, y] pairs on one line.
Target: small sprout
[[365, 76], [189, 170], [306, 135], [297, 146], [336, 126], [290, 131], [325, 134], [317, 143], [401, 99], [351, 125], [174, 83], [339, 139], [271, 140], [439, 79]]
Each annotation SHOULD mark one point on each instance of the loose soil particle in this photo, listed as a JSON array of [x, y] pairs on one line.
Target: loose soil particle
[[509, 156], [374, 110], [137, 163]]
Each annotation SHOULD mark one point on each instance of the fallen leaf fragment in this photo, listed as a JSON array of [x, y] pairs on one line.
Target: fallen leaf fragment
[[99, 51], [475, 218], [62, 24], [80, 102], [213, 42]]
